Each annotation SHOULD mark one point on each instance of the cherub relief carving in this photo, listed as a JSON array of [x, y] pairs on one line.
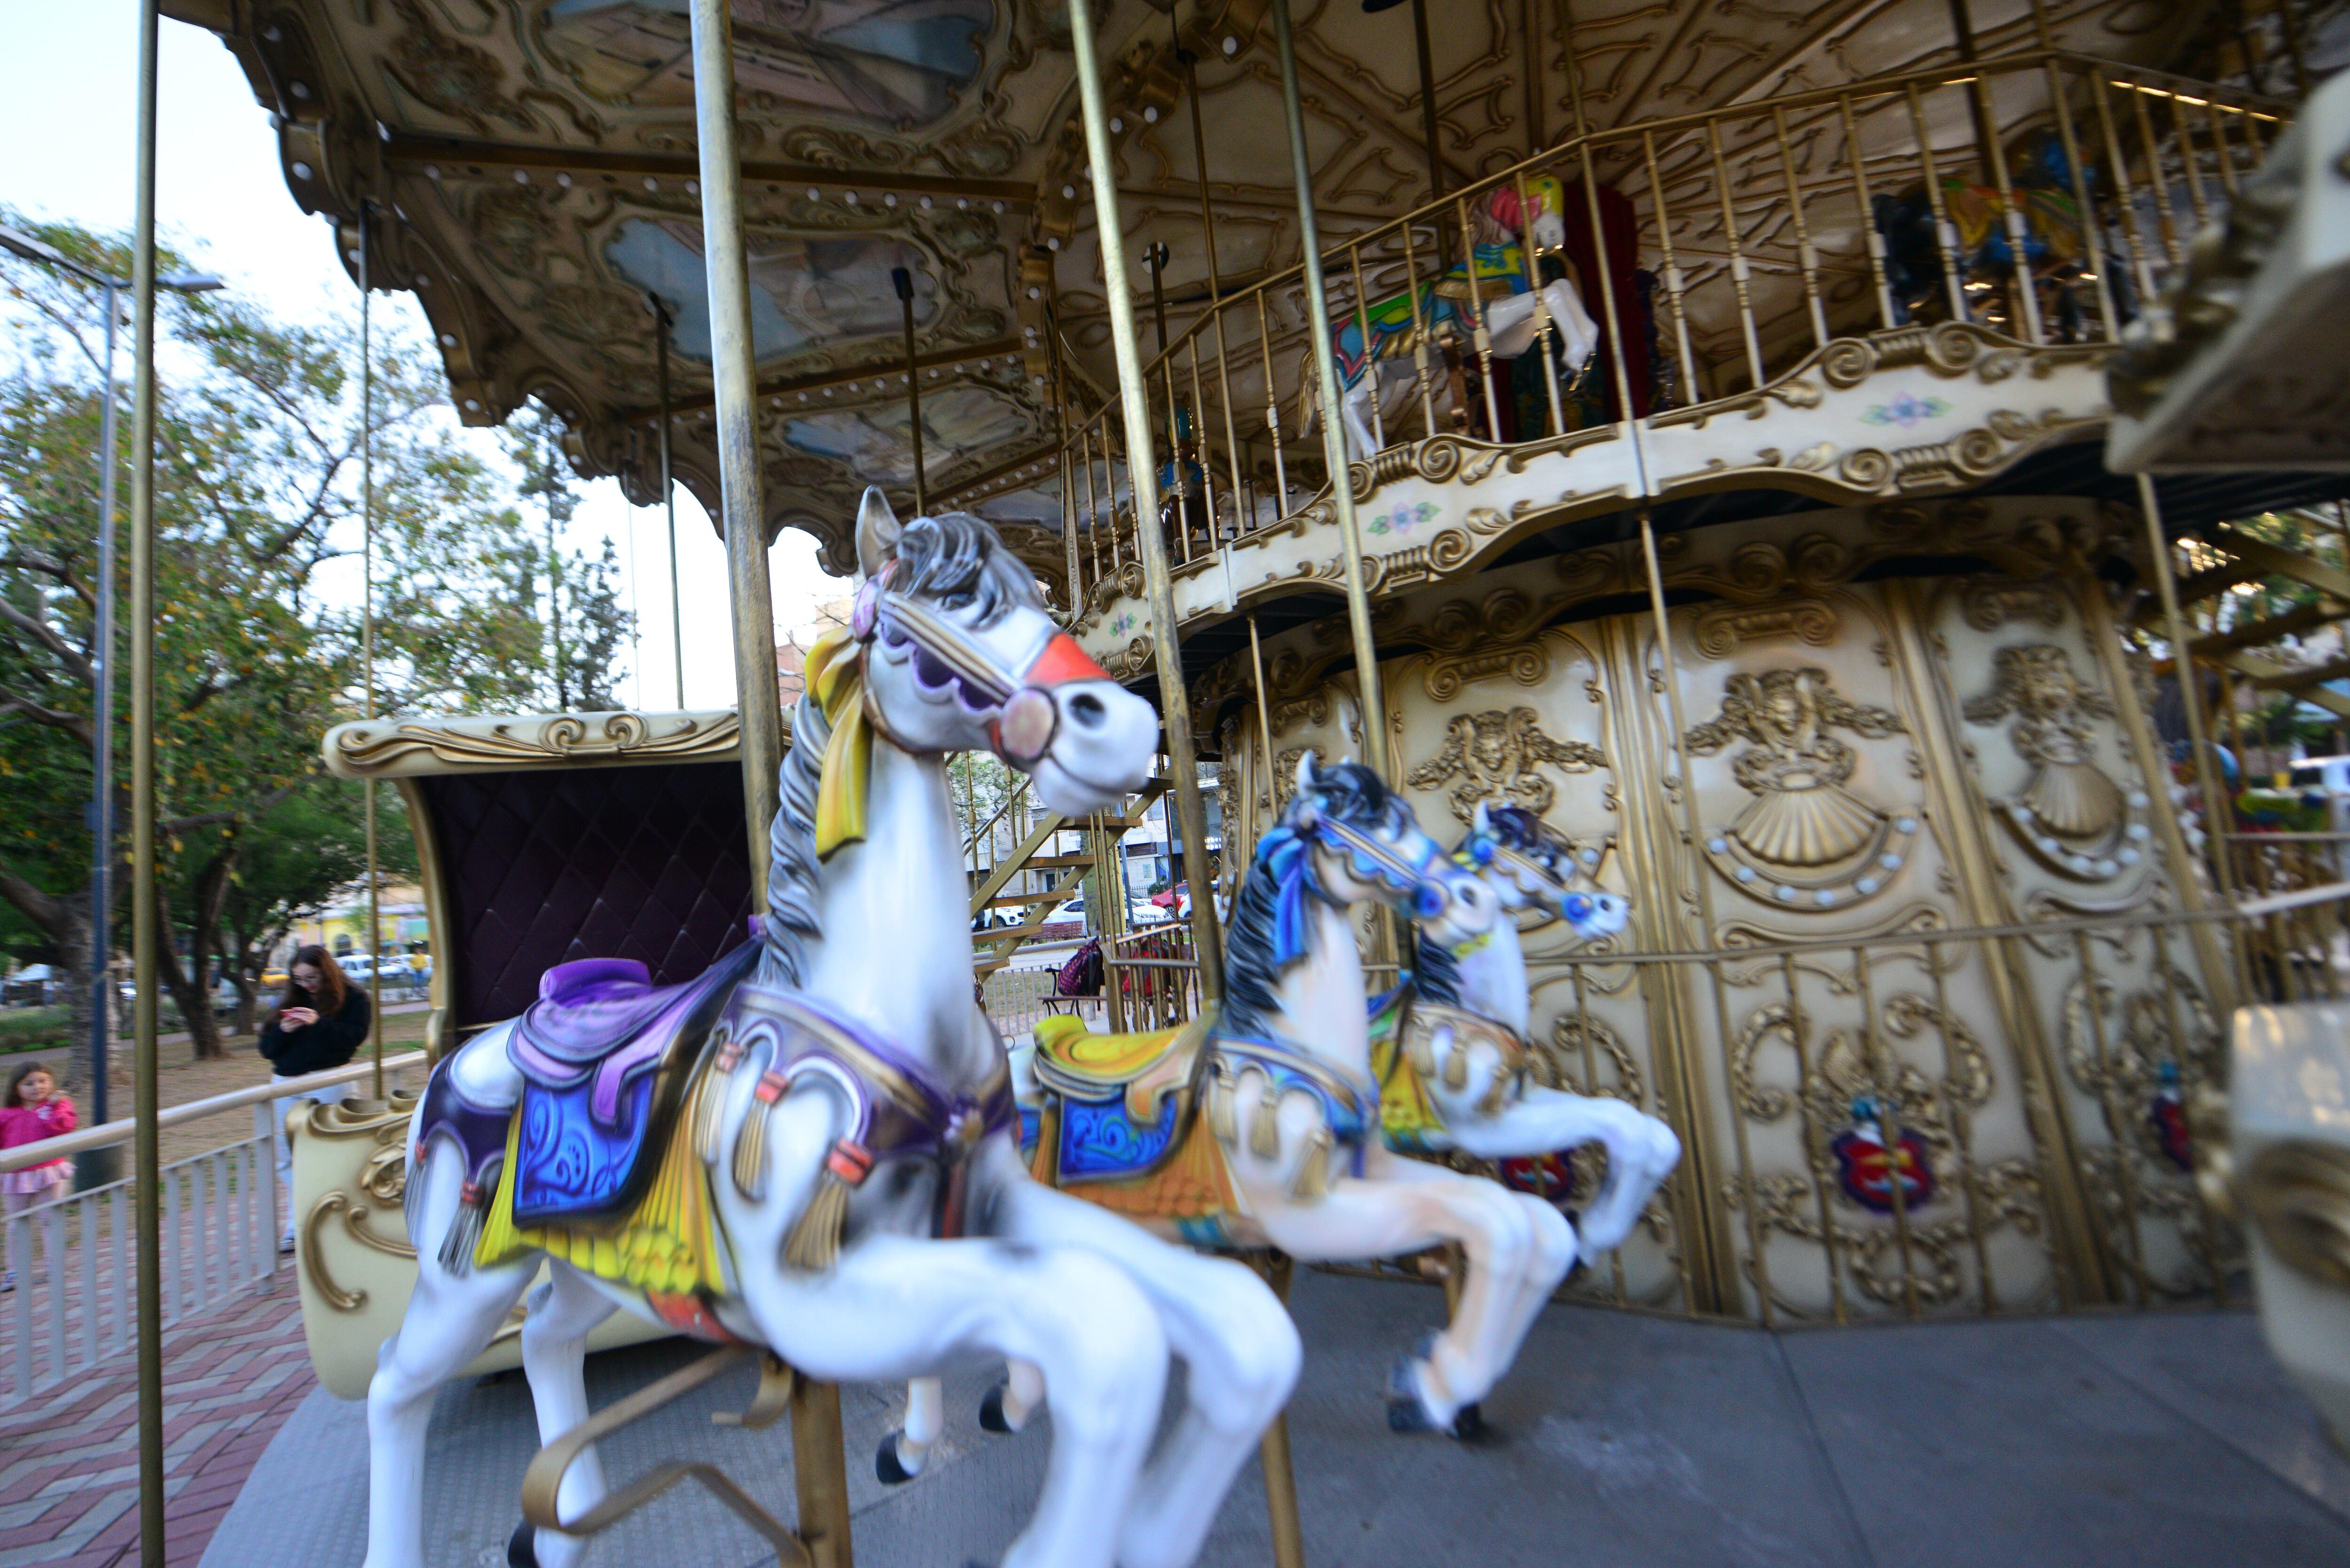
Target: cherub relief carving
[[2068, 793], [1802, 815], [1493, 755]]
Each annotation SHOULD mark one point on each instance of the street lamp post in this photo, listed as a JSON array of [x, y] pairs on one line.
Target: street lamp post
[[97, 1166]]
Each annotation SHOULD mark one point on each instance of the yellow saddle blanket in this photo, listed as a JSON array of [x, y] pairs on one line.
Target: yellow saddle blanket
[[1073, 1060], [1152, 1159]]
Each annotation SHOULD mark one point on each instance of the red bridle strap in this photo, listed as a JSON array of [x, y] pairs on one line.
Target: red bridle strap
[[1064, 661]]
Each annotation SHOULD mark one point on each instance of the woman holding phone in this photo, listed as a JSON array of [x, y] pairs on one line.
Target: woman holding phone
[[320, 1022]]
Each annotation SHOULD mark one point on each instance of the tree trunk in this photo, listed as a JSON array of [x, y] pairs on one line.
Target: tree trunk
[[192, 993], [73, 958], [66, 922]]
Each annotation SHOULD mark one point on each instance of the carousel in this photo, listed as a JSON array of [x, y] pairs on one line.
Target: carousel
[[1687, 544]]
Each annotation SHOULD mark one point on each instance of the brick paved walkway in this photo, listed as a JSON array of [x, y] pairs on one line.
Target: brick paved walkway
[[70, 1464]]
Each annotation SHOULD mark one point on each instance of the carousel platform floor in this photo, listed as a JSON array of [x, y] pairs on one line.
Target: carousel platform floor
[[2149, 1440]]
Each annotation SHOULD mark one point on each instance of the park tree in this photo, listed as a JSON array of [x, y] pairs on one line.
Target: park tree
[[257, 498], [584, 625]]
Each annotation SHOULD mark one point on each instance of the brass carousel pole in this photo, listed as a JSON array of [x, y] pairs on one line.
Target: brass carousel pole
[[367, 643], [818, 1470], [904, 282], [1334, 439], [1151, 538], [146, 1163], [669, 493]]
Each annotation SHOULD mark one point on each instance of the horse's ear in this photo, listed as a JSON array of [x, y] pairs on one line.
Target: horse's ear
[[1309, 787], [1481, 822], [877, 532]]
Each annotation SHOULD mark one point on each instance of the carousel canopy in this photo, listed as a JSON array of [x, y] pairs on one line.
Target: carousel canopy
[[530, 171]]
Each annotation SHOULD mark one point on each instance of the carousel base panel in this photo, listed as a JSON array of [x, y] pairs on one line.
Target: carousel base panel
[[2150, 1439]]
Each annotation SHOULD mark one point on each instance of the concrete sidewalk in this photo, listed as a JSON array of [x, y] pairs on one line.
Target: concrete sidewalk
[[1628, 1441]]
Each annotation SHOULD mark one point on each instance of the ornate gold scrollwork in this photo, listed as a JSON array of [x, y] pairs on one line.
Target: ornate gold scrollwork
[[377, 748], [1804, 837], [2297, 1191], [1719, 629], [314, 1261], [1493, 753]]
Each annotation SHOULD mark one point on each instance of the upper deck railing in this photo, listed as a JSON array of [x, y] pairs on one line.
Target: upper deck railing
[[2042, 197]]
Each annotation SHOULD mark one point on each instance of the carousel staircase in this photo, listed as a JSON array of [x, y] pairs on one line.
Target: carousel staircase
[[2242, 558], [1061, 874]]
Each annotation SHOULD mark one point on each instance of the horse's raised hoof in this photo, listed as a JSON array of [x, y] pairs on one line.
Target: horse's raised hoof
[[1407, 1411], [889, 1465], [1469, 1426], [990, 1412], [522, 1547]]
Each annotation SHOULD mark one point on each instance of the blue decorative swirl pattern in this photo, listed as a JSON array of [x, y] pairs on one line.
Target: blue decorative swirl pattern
[[571, 1166], [1100, 1140]]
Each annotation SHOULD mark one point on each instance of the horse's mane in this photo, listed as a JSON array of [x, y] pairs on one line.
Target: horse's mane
[[957, 561], [1347, 792], [1436, 974], [793, 869]]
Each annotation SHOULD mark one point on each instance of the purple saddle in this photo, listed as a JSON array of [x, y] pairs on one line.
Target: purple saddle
[[605, 1055]]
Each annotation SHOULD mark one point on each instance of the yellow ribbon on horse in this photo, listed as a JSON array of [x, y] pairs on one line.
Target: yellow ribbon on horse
[[836, 677]]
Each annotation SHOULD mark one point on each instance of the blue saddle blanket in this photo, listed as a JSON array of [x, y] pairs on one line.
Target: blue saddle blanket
[[1101, 1141], [590, 1140]]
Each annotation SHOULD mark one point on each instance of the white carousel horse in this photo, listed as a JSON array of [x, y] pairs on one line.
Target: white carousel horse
[[1451, 1048], [1372, 349], [811, 1148], [1258, 1125]]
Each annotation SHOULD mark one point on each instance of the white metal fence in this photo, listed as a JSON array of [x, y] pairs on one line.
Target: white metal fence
[[72, 1260]]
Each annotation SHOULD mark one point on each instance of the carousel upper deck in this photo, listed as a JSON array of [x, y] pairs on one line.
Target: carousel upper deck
[[1733, 260]]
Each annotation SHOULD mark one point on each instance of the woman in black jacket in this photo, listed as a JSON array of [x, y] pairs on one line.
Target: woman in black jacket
[[320, 1022]]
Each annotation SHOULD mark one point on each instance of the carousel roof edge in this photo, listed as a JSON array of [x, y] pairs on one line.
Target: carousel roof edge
[[431, 744], [2236, 367]]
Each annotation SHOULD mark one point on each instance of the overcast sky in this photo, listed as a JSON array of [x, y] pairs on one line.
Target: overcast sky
[[68, 85]]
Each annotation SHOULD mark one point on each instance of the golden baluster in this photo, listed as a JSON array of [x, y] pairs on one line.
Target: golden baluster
[[1875, 240], [1945, 233], [1807, 256], [1673, 272]]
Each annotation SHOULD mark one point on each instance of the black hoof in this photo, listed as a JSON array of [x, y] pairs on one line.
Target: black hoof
[[522, 1547], [1469, 1424], [1406, 1412], [990, 1412], [888, 1466]]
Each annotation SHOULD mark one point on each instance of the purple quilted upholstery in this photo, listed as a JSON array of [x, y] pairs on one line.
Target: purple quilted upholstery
[[544, 867]]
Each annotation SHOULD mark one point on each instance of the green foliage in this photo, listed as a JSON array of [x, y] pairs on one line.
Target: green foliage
[[259, 646], [584, 624], [35, 1028]]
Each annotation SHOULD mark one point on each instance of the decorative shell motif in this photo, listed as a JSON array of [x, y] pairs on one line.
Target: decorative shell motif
[[1804, 840], [2070, 816]]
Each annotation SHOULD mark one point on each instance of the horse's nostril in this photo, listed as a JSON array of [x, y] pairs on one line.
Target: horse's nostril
[[1086, 709]]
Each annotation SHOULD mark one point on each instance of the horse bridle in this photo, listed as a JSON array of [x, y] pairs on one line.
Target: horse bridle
[[1480, 851], [1392, 868], [1021, 716]]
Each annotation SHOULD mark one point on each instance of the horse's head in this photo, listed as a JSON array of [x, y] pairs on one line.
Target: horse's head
[[1368, 846], [1530, 865], [961, 656]]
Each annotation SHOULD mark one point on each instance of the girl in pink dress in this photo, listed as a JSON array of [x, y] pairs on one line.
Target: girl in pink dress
[[30, 1111]]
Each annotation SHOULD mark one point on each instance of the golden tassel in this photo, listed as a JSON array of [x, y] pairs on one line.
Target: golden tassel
[[815, 1240], [1224, 1122], [751, 1142], [709, 1098], [1264, 1127], [1456, 1068], [1314, 1175], [1421, 1051], [1497, 1092]]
